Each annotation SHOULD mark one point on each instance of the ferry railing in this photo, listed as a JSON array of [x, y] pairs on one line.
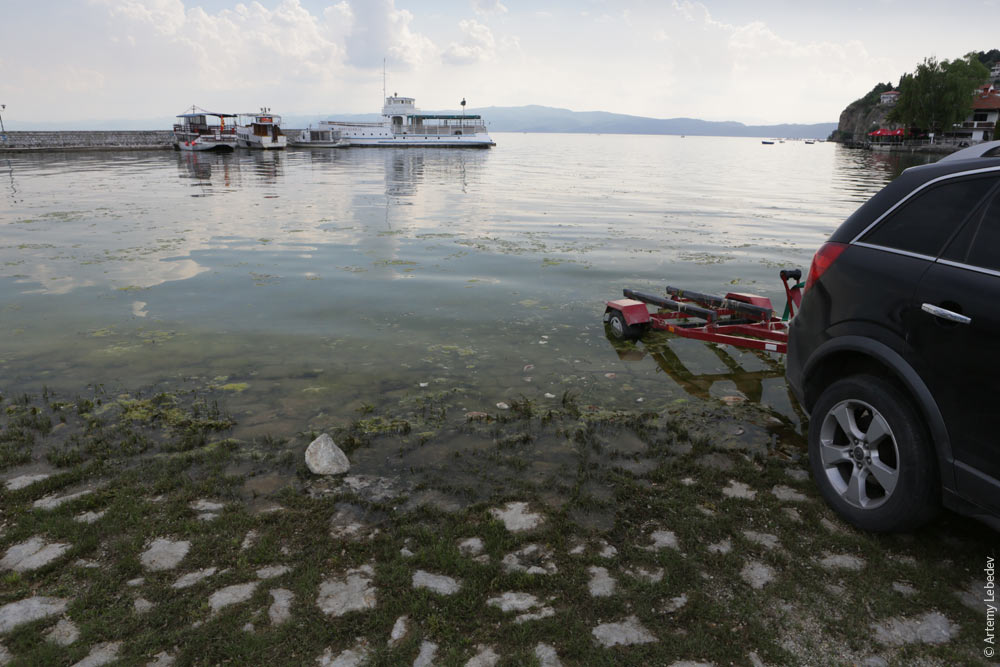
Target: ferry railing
[[439, 129]]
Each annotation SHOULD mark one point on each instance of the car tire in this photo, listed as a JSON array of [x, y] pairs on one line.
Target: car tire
[[871, 456], [621, 329]]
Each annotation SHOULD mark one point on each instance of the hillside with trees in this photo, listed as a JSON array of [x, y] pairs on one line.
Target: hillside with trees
[[934, 97]]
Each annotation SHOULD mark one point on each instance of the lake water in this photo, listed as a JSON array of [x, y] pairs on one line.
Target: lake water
[[306, 286]]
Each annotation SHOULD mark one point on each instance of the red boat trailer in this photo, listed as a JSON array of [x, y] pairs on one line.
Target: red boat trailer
[[742, 320]]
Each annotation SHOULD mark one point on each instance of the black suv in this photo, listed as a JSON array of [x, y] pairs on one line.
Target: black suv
[[895, 352]]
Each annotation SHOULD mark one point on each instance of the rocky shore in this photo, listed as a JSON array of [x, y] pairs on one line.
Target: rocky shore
[[134, 529]]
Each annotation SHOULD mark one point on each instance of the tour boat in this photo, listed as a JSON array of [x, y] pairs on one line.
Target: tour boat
[[260, 130], [195, 131], [404, 125]]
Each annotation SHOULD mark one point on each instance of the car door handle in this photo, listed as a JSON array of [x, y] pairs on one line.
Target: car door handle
[[944, 314]]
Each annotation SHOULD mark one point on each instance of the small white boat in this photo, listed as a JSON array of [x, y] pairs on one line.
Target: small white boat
[[195, 131], [260, 130], [322, 137], [404, 125]]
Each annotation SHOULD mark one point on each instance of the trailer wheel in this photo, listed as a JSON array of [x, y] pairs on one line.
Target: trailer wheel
[[621, 329], [871, 456]]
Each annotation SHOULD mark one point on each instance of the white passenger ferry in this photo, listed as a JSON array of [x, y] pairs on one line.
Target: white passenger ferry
[[260, 130], [404, 125], [194, 131]]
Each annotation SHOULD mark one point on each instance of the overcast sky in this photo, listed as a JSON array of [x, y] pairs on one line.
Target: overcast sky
[[767, 61]]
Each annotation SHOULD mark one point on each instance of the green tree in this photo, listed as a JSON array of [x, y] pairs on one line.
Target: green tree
[[938, 94]]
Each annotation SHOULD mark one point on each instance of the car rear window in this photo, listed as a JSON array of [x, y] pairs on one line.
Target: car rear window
[[925, 223], [978, 244]]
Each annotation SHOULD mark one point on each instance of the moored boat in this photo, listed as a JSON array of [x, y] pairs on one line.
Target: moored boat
[[260, 130], [195, 131], [321, 137], [404, 125]]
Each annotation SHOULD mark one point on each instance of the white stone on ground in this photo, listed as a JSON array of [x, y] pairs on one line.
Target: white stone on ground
[[164, 554], [142, 605], [578, 549], [272, 571], [89, 517], [739, 490], [101, 654], [31, 555], [351, 592], [486, 657], [248, 541], [607, 550], [23, 481], [547, 656], [628, 632], [674, 604], [787, 493], [249, 628], [538, 558], [324, 457], [514, 602], [763, 539], [688, 481], [757, 574], [428, 650], [53, 501], [192, 578], [438, 583], [601, 584], [352, 657], [471, 546], [345, 524], [798, 474], [646, 574], [904, 589], [662, 539], [843, 562], [930, 628], [204, 505], [522, 602], [64, 633], [230, 595], [723, 547], [399, 630], [405, 553], [792, 514], [516, 517], [138, 581], [161, 659], [30, 609], [86, 562], [281, 609], [5, 656], [830, 525], [207, 509]]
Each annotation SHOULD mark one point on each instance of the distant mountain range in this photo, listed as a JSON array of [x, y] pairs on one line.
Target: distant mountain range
[[531, 118]]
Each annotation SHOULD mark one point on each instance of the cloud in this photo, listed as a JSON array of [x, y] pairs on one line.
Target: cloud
[[477, 45], [378, 30], [488, 7]]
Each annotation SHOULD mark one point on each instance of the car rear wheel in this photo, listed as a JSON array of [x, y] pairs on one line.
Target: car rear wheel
[[871, 456]]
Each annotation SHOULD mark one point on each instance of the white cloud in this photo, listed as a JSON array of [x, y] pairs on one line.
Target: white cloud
[[477, 44], [488, 7]]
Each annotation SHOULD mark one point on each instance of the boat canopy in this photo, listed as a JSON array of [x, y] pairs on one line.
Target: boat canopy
[[443, 117], [206, 113]]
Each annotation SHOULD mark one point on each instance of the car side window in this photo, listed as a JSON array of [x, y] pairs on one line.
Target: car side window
[[925, 223], [980, 244]]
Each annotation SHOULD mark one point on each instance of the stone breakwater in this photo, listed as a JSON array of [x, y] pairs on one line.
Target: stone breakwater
[[86, 140]]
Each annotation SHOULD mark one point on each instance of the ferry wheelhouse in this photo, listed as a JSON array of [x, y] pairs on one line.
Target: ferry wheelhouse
[[260, 130], [404, 125], [196, 131]]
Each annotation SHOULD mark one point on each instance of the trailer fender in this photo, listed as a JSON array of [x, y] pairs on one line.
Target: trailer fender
[[635, 312]]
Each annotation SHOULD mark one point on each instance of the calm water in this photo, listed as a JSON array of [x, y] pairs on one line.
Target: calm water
[[310, 283]]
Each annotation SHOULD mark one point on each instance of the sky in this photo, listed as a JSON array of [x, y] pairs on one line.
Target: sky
[[762, 62]]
